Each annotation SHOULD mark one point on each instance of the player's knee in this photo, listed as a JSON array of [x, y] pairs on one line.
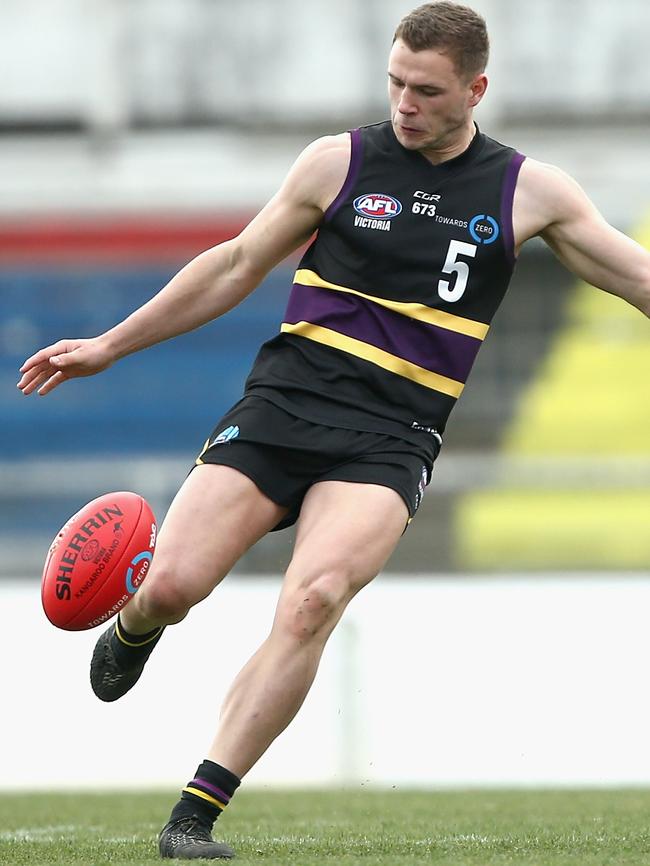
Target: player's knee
[[163, 598], [314, 607]]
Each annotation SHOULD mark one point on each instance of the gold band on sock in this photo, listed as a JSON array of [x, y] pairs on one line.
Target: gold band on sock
[[126, 642], [208, 797]]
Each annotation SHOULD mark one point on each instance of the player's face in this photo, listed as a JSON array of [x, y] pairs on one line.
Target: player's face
[[430, 104]]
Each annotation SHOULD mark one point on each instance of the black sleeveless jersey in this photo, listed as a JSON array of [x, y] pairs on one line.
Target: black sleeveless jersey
[[394, 297]]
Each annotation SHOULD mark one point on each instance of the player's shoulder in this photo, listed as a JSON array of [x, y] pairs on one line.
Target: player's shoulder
[[546, 197], [548, 191], [327, 151], [321, 168], [543, 181]]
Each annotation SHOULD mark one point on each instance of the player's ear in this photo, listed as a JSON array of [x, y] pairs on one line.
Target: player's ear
[[477, 88]]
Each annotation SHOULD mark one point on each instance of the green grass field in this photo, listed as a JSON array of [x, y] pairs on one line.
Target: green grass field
[[372, 828]]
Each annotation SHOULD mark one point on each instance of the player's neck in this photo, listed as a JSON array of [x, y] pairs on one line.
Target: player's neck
[[453, 146]]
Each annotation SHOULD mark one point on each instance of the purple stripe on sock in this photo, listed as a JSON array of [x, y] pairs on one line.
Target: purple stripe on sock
[[507, 198], [218, 793], [356, 153]]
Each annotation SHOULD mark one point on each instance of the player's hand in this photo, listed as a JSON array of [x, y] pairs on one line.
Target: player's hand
[[66, 359]]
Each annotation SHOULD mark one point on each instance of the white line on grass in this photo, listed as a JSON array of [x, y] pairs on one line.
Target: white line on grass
[[42, 834]]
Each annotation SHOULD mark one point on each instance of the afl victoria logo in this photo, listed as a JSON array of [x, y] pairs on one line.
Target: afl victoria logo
[[377, 205]]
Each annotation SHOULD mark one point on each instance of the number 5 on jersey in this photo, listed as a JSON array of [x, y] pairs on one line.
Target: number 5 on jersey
[[454, 265]]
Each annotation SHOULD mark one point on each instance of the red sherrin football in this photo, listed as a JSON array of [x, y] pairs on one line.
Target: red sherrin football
[[98, 560]]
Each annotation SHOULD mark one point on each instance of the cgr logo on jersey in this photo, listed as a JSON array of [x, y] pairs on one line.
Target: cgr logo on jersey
[[484, 229], [426, 196], [375, 210]]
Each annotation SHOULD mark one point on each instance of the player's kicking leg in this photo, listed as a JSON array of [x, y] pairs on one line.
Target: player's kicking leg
[[217, 515], [345, 534]]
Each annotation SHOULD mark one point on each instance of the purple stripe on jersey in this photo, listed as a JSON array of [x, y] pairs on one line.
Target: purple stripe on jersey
[[218, 793], [436, 349], [356, 154], [507, 198]]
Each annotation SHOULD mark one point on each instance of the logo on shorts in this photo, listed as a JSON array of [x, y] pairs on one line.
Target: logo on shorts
[[430, 430], [225, 436], [422, 483]]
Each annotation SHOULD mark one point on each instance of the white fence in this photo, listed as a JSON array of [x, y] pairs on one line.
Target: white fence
[[106, 62], [447, 682]]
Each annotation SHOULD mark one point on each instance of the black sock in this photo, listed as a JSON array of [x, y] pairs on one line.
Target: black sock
[[132, 648], [208, 794]]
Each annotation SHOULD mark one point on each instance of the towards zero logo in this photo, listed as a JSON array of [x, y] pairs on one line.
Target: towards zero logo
[[133, 582], [484, 229], [377, 205]]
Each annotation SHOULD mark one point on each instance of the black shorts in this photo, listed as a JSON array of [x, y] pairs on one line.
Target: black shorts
[[284, 455]]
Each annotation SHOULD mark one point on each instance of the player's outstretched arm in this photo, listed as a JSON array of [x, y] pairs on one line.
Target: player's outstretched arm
[[551, 204], [215, 281]]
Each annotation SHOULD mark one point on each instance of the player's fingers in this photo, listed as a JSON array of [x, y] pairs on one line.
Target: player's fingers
[[28, 380], [37, 381], [31, 362], [51, 383], [30, 375], [44, 355]]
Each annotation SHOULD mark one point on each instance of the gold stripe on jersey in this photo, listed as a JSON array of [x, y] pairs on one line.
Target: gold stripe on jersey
[[420, 312], [383, 359]]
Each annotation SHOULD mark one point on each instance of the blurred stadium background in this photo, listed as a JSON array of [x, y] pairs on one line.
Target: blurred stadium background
[[135, 134]]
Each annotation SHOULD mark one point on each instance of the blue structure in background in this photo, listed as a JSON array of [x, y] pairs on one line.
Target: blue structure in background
[[162, 400]]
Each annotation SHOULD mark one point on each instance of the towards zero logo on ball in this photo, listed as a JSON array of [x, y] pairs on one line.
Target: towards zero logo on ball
[[135, 577]]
